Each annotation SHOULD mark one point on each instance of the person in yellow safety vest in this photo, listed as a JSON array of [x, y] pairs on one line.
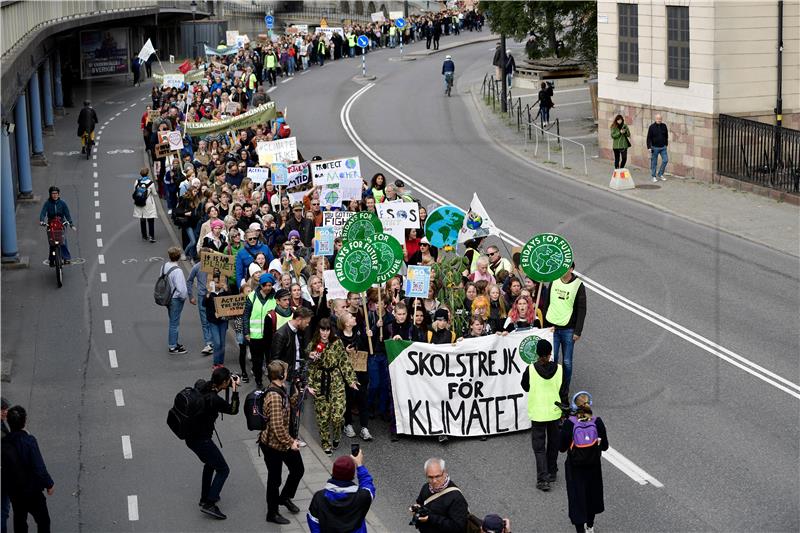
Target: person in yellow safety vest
[[322, 51], [351, 43], [271, 66], [566, 312], [249, 80], [543, 382], [392, 36], [257, 325]]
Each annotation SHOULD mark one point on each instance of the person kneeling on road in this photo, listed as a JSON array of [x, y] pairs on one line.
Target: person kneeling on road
[[343, 505], [440, 506]]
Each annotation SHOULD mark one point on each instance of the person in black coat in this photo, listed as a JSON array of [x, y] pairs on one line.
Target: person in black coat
[[582, 467], [445, 504], [299, 222], [288, 341]]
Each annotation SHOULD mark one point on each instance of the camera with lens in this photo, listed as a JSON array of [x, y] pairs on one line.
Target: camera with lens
[[235, 378], [419, 512], [552, 84]]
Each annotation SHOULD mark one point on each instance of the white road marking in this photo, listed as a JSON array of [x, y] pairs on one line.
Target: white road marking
[[97, 213], [105, 123], [96, 185], [96, 194], [133, 508], [143, 98], [94, 156], [104, 299], [103, 277], [287, 80], [271, 89], [101, 259], [119, 398], [107, 325], [97, 203], [127, 451], [118, 114], [99, 243], [98, 228], [112, 118], [94, 165], [630, 468], [112, 358], [94, 175], [304, 72]]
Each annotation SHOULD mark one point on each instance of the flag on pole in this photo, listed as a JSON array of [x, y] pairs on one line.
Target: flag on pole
[[185, 67], [477, 222], [146, 51]]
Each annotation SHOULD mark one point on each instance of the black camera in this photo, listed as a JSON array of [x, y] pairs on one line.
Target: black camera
[[419, 512]]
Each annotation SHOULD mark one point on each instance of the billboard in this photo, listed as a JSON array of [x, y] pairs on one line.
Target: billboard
[[104, 53]]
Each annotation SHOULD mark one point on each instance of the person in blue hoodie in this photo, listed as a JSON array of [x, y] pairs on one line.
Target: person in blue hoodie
[[343, 505], [248, 253]]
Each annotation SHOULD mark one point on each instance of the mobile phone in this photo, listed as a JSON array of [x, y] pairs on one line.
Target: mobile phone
[[354, 449]]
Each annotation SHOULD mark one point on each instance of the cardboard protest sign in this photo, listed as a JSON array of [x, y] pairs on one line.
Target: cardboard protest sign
[[281, 150], [173, 138], [407, 213], [546, 257], [323, 240], [172, 80], [336, 219], [418, 281], [229, 305], [230, 37], [377, 17], [359, 360], [442, 389], [258, 175], [211, 261], [335, 289], [280, 174], [356, 265], [298, 175], [152, 116], [332, 171], [231, 108], [162, 150]]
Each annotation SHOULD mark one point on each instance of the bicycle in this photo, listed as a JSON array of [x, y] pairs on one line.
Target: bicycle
[[87, 141], [448, 78], [55, 236]]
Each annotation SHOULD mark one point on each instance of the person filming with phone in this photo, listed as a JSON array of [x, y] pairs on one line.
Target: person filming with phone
[[343, 504]]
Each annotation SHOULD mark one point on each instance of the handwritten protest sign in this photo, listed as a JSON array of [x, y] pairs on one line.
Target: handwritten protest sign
[[152, 116], [377, 17], [335, 289], [282, 150], [323, 240], [216, 261], [359, 360], [162, 150], [350, 188], [258, 175], [280, 174], [172, 80], [230, 305], [337, 219], [332, 171], [405, 212], [230, 37], [298, 175], [173, 138], [418, 281], [330, 197]]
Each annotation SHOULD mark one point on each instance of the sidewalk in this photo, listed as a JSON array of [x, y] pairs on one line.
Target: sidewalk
[[749, 216]]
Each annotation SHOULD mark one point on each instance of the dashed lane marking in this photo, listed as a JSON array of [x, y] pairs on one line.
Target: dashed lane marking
[[98, 228], [103, 277], [104, 299], [107, 326], [99, 243], [119, 398], [133, 508], [112, 359], [127, 450], [101, 259]]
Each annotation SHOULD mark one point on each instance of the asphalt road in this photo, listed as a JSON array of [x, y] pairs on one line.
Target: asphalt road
[[723, 442]]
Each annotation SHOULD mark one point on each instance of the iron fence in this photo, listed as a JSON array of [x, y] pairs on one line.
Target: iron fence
[[759, 153]]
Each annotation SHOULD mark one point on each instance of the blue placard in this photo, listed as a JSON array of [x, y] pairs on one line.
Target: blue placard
[[400, 23], [323, 240], [418, 281], [269, 20], [280, 174], [363, 41]]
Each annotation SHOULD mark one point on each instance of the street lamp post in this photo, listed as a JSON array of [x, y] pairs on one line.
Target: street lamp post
[[194, 30]]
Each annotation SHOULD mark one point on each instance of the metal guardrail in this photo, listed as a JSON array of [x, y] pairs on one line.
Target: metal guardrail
[[759, 153]]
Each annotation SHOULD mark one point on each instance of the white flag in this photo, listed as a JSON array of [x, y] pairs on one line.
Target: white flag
[[146, 51], [476, 222]]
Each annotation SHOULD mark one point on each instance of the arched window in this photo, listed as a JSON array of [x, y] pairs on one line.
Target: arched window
[[359, 8], [385, 11], [344, 7], [371, 7]]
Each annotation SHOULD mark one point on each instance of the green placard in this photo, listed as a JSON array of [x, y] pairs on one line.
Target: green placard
[[356, 266], [361, 226], [546, 257], [390, 256], [527, 349], [443, 225]]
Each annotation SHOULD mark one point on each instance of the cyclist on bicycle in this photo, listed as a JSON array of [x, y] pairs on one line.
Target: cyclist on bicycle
[[55, 207], [86, 121], [448, 71]]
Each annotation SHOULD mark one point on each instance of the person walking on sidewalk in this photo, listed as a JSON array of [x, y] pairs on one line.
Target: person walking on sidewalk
[[511, 68], [620, 135], [545, 102], [657, 142], [144, 204], [177, 282], [278, 447], [343, 505]]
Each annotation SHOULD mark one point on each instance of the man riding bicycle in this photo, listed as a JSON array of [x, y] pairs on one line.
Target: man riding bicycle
[[55, 207], [448, 71], [86, 121]]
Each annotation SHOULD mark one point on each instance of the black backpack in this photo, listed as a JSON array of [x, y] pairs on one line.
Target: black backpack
[[189, 404], [163, 291], [254, 407], [140, 193]]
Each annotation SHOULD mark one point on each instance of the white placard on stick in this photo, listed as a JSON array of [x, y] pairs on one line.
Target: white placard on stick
[[258, 175], [282, 150], [332, 171]]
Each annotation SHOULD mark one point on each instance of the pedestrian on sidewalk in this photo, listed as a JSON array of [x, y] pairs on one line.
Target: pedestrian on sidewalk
[[201, 277], [497, 61], [511, 68], [657, 142], [545, 102], [177, 282], [24, 474], [343, 505], [136, 67], [144, 204], [620, 135], [278, 446]]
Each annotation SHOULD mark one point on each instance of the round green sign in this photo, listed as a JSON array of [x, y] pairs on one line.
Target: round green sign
[[546, 257], [527, 349], [390, 256], [361, 226], [356, 266], [443, 225]]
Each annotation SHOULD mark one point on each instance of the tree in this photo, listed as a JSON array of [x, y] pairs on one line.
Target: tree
[[560, 29]]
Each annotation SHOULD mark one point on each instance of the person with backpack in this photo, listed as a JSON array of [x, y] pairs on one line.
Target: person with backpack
[[144, 204], [24, 474], [343, 505], [171, 292], [257, 325], [202, 413], [543, 381], [583, 438], [278, 446]]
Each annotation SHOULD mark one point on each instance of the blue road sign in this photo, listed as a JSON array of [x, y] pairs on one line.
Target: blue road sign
[[362, 41], [400, 23], [269, 20]]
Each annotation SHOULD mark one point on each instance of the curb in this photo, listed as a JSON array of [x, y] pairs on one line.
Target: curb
[[541, 166], [486, 39]]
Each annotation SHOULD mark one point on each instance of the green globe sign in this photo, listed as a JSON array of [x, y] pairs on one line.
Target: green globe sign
[[527, 349], [443, 225], [361, 226], [390, 256], [356, 266], [546, 257]]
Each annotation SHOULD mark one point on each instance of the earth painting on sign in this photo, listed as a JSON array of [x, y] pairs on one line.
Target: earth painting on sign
[[443, 226]]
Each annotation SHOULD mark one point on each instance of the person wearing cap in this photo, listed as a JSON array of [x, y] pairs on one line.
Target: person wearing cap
[[257, 325], [301, 224], [543, 381], [448, 71], [248, 253], [494, 523], [343, 505]]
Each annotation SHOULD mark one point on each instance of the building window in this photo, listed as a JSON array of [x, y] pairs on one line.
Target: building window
[[678, 46], [628, 57]]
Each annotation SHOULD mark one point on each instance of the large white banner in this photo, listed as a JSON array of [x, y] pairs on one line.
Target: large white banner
[[468, 389]]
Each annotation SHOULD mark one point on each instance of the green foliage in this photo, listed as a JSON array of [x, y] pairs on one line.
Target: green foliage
[[560, 29], [447, 273]]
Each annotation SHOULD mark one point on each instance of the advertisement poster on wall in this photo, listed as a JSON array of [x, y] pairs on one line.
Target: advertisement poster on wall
[[104, 53]]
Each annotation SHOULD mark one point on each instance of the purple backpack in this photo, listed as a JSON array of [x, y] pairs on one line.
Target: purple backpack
[[584, 438]]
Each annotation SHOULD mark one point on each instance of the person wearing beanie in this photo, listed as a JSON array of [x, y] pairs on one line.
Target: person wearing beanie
[[343, 505], [545, 387], [257, 325]]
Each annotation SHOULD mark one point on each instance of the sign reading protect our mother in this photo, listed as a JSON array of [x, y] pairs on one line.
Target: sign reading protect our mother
[[468, 389], [330, 172]]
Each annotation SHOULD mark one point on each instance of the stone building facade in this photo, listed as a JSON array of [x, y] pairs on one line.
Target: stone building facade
[[691, 60]]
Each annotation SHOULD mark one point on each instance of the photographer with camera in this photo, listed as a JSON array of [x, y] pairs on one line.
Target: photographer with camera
[[440, 506], [343, 505], [198, 437]]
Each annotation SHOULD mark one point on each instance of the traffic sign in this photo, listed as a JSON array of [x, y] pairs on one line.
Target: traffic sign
[[363, 41], [269, 20], [400, 23]]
